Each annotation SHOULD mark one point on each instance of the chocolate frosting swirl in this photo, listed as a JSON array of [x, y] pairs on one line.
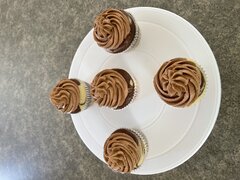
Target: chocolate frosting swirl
[[179, 82], [122, 151], [65, 96], [109, 88], [111, 27]]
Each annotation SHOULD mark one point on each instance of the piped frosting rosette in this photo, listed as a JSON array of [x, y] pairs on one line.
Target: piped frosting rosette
[[71, 96], [115, 30], [113, 88], [125, 150], [179, 82]]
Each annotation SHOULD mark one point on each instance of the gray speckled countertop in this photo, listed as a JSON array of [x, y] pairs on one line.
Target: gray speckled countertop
[[38, 39]]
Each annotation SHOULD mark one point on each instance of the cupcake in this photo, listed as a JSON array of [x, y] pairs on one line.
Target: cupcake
[[179, 82], [125, 150], [115, 30], [113, 88], [70, 96]]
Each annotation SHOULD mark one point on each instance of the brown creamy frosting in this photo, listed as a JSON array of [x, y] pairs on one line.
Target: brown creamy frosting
[[111, 27], [109, 88], [179, 82], [66, 96], [122, 151]]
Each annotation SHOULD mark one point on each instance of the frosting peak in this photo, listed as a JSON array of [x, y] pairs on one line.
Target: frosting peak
[[111, 27], [66, 96], [179, 82], [109, 88]]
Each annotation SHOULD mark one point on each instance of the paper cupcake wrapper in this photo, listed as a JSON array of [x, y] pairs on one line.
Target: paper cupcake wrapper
[[137, 35], [89, 99], [205, 85], [143, 139]]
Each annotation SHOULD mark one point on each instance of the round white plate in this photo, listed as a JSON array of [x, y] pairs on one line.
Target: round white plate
[[173, 134]]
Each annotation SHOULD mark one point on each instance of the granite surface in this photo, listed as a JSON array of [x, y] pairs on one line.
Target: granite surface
[[38, 39]]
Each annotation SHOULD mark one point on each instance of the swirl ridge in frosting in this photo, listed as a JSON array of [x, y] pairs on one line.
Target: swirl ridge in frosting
[[65, 96], [123, 151], [109, 88], [111, 28], [179, 82]]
